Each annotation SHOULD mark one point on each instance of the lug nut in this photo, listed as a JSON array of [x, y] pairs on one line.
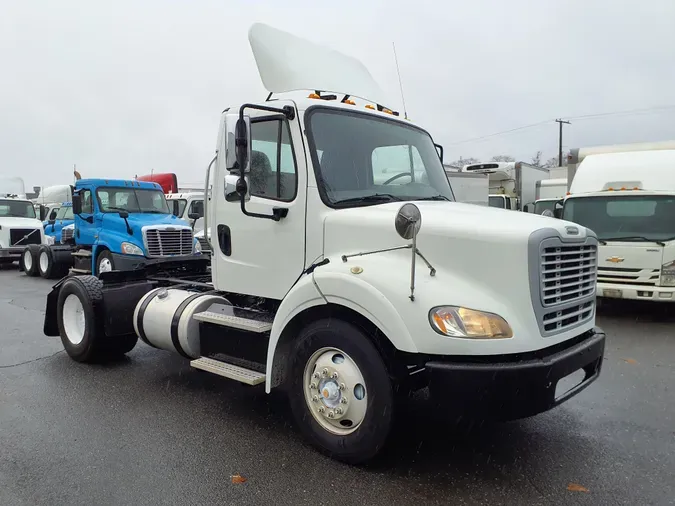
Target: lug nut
[[315, 398], [344, 400], [313, 386], [335, 375], [342, 386], [317, 375], [338, 411], [331, 414], [324, 372], [321, 409]]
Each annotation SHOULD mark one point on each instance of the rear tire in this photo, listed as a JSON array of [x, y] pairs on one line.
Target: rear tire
[[29, 260], [80, 322], [352, 423], [45, 262]]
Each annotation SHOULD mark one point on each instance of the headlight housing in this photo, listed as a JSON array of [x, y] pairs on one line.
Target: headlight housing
[[197, 246], [131, 249], [454, 321], [668, 274]]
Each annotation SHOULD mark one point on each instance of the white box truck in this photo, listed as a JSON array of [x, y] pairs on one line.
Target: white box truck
[[628, 200], [345, 291], [512, 185], [548, 193], [468, 187]]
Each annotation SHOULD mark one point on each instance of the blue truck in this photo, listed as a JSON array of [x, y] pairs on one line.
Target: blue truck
[[119, 225], [59, 218]]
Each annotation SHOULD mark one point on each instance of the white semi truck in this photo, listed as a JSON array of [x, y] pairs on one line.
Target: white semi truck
[[19, 224], [512, 184], [346, 293], [628, 199]]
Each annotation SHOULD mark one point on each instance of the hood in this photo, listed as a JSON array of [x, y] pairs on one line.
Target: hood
[[11, 222], [369, 228], [114, 225]]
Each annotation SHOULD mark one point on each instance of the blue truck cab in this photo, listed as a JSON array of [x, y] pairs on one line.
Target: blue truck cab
[[124, 225], [57, 219]]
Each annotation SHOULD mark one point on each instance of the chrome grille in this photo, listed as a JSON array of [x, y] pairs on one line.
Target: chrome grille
[[170, 241], [563, 275], [206, 249], [628, 276], [66, 235]]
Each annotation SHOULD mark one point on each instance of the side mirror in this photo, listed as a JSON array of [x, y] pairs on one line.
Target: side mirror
[[124, 214], [194, 216], [526, 208], [232, 190], [77, 203], [439, 148], [558, 209], [175, 207], [242, 144]]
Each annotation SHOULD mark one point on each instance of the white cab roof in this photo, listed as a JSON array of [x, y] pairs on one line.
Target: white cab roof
[[289, 63], [646, 170]]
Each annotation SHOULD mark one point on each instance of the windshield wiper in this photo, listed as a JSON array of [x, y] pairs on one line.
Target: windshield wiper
[[634, 238], [377, 197], [155, 211], [113, 208], [436, 197]]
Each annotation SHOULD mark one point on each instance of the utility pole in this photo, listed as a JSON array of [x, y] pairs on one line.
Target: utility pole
[[561, 122]]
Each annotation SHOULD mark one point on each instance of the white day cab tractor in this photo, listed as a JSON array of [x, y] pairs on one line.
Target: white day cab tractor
[[347, 293]]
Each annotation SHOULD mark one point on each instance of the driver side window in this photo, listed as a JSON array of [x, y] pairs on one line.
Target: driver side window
[[87, 204], [389, 161]]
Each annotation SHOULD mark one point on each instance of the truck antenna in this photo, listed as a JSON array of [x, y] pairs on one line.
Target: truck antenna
[[400, 84]]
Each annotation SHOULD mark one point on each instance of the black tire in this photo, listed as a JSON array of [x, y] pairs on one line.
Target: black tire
[[32, 269], [104, 255], [91, 344], [46, 271], [371, 435]]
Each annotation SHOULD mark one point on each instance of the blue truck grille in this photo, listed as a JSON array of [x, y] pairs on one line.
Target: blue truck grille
[[166, 242]]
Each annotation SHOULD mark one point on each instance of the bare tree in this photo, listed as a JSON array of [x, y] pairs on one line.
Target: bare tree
[[553, 161], [536, 159], [461, 162], [503, 158]]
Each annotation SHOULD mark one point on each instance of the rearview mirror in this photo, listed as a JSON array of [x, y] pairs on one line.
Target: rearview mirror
[[194, 216], [231, 121], [175, 207], [77, 203], [558, 209], [242, 144]]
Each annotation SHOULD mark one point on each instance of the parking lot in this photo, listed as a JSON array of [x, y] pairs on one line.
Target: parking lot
[[151, 430]]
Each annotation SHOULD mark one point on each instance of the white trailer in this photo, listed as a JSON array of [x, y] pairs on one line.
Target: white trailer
[[549, 192], [345, 291], [512, 185], [628, 199], [468, 187]]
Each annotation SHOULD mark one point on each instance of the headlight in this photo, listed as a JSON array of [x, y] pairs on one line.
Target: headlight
[[198, 246], [667, 274], [456, 321], [131, 249], [49, 240]]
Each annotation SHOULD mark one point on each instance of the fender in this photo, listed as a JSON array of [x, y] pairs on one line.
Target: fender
[[324, 286]]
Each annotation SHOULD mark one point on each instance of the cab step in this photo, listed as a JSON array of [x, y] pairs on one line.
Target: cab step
[[80, 271], [236, 318], [230, 371], [83, 253]]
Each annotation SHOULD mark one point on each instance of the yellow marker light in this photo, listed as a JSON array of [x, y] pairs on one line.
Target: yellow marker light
[[456, 321], [388, 111], [636, 188], [623, 188], [313, 95], [371, 107], [350, 102], [610, 189]]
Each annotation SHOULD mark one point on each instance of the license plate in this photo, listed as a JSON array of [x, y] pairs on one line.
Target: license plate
[[617, 294]]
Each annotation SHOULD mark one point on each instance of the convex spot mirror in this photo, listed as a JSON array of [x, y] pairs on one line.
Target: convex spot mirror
[[408, 221]]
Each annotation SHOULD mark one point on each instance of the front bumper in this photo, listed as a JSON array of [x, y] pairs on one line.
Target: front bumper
[[133, 262], [636, 292], [13, 252], [516, 386]]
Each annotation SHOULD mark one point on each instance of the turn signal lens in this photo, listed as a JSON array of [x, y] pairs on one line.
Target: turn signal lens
[[667, 274], [456, 321]]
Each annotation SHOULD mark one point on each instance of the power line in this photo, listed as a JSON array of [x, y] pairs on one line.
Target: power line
[[582, 117]]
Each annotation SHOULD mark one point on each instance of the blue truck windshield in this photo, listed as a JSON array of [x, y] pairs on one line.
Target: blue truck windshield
[[132, 200]]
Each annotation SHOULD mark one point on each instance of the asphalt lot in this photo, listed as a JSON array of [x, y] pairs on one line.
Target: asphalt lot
[[151, 430]]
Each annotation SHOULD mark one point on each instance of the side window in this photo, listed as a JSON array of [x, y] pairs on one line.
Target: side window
[[197, 206], [389, 161], [87, 202], [273, 171]]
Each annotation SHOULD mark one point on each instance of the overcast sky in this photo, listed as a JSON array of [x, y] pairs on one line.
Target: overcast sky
[[120, 88]]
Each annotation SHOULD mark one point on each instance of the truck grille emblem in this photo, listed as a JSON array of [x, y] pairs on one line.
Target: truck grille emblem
[[615, 260]]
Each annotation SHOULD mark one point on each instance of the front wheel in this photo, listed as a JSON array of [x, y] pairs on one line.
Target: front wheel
[[104, 262], [340, 391]]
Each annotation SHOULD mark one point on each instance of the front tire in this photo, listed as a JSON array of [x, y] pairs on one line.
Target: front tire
[[340, 391], [104, 262], [29, 260], [80, 324]]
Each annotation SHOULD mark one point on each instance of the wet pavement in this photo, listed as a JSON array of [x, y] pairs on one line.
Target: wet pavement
[[149, 429]]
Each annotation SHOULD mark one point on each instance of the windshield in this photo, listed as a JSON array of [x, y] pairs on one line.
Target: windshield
[[361, 160], [16, 209], [177, 206], [639, 217], [132, 200], [65, 213], [496, 202], [543, 205]]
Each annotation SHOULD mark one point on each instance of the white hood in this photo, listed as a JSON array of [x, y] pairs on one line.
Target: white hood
[[12, 222]]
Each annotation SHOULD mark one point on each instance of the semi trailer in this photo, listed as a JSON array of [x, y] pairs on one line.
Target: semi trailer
[[344, 289]]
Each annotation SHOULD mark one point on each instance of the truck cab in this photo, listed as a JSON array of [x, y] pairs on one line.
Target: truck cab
[[189, 206], [628, 200], [57, 219], [19, 227]]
